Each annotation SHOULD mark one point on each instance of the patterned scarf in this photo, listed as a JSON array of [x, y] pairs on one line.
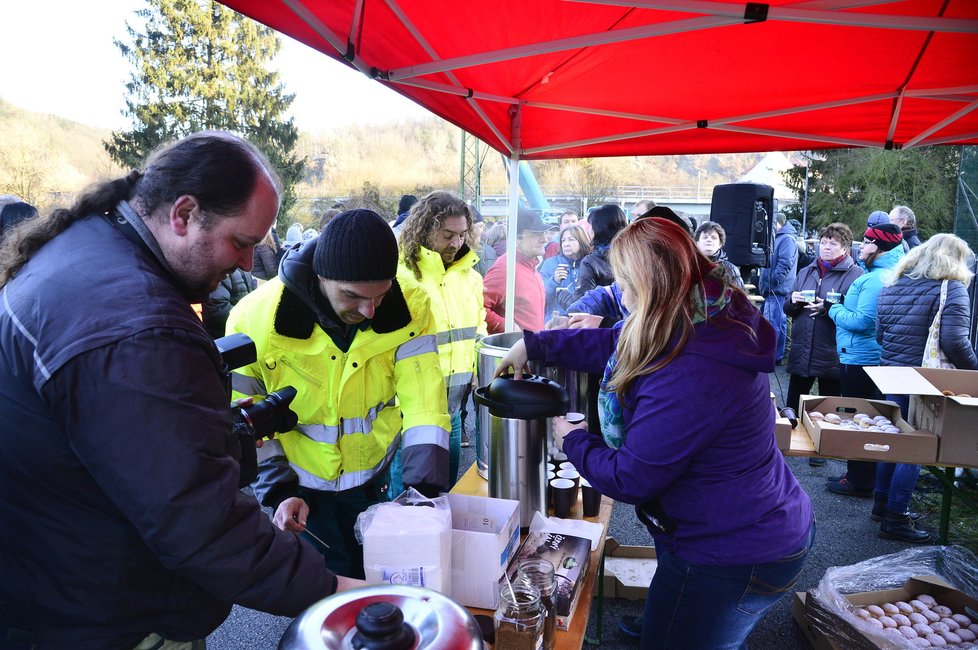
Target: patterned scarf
[[709, 299], [824, 267]]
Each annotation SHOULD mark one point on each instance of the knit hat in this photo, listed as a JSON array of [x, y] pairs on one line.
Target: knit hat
[[886, 236], [356, 246], [876, 218]]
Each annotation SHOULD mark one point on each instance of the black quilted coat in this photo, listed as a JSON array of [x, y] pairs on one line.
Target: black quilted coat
[[813, 351], [904, 315]]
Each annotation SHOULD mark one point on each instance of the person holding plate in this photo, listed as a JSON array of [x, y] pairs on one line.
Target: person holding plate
[[813, 357]]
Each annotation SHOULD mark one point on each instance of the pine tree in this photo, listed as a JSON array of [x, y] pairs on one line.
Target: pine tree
[[199, 66], [846, 185]]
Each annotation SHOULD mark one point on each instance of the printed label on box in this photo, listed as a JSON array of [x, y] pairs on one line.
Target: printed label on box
[[412, 576], [477, 523]]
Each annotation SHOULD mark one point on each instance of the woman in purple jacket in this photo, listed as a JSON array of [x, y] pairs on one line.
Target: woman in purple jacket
[[688, 428]]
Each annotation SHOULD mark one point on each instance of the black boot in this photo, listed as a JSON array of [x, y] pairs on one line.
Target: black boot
[[879, 509], [901, 527]]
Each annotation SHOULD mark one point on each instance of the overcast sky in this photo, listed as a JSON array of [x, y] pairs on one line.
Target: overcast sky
[[57, 56]]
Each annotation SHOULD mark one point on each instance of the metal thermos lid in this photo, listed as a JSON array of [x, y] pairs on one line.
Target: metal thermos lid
[[384, 617], [530, 398]]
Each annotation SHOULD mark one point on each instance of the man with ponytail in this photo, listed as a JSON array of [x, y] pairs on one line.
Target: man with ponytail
[[122, 523]]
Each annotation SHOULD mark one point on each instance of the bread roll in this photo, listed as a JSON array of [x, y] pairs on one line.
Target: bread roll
[[931, 616], [927, 599]]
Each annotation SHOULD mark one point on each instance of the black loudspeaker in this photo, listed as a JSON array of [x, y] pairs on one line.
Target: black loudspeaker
[[745, 210]]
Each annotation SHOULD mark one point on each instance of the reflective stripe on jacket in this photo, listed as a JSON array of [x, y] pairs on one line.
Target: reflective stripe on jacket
[[351, 405], [455, 296]]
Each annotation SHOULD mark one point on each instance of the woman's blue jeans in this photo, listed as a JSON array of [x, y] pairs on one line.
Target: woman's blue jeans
[[698, 606], [895, 481]]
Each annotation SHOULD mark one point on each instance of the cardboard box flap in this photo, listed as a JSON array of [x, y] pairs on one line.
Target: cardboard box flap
[[965, 401], [956, 381], [900, 380]]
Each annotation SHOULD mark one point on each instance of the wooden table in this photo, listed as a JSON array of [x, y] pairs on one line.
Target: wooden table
[[473, 484], [802, 445]]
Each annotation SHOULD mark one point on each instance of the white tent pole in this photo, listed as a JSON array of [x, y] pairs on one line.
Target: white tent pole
[[940, 125], [310, 19], [561, 44], [845, 142], [802, 15], [514, 187], [430, 50], [721, 124], [957, 138]]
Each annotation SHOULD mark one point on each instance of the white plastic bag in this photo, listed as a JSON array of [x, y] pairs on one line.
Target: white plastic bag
[[407, 541]]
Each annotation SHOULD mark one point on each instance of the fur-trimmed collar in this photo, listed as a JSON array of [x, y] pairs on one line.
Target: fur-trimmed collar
[[296, 319]]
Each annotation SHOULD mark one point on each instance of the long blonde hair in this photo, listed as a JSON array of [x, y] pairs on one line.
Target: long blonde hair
[[659, 263], [942, 257]]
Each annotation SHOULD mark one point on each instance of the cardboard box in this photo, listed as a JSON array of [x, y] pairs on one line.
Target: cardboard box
[[943, 593], [909, 446], [782, 432], [628, 570], [815, 638], [485, 534], [953, 419], [570, 555]]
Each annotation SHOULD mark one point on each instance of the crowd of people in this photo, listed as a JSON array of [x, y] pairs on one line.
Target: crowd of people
[[121, 456], [869, 304]]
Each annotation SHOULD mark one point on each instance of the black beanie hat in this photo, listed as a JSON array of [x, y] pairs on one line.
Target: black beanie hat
[[356, 246], [886, 236]]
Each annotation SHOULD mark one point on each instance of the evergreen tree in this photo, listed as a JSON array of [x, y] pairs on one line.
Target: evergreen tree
[[199, 66], [846, 185]]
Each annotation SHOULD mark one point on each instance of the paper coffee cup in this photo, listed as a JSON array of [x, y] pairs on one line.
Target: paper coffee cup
[[808, 295]]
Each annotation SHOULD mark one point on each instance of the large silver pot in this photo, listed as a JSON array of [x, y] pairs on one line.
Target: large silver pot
[[436, 621], [519, 414], [491, 350]]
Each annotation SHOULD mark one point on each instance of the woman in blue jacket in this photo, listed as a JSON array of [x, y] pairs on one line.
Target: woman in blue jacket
[[560, 271], [855, 339], [906, 310], [688, 429]]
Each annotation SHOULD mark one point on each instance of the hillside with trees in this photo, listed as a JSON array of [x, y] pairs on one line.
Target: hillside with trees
[[48, 160]]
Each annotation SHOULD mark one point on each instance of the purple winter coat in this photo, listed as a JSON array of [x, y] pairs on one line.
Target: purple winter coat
[[699, 437]]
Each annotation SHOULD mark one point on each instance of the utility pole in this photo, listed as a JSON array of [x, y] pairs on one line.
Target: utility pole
[[470, 171]]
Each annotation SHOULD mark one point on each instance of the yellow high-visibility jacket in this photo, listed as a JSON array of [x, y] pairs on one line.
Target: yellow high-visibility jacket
[[353, 407], [458, 311]]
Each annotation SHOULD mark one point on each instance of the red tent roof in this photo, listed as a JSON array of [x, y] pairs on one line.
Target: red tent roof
[[561, 78]]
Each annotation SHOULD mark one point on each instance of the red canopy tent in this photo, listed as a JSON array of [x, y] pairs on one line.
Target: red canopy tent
[[539, 79]]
